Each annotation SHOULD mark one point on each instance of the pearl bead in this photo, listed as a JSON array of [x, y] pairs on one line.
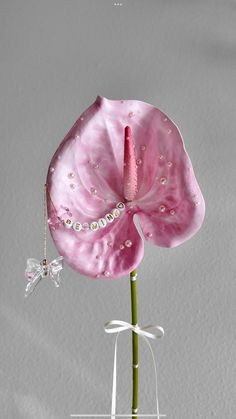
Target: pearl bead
[[77, 137], [95, 166], [121, 247], [163, 180], [139, 162], [120, 206], [106, 273], [85, 226], [149, 234], [109, 244], [172, 212], [72, 186], [68, 223], [52, 169], [115, 212], [77, 226], [165, 119], [82, 118], [131, 114], [71, 175], [162, 208], [102, 222], [169, 131], [128, 243], [94, 226], [143, 147], [109, 217], [93, 190], [169, 163], [161, 157]]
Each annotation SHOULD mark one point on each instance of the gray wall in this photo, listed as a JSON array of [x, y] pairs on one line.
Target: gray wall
[[56, 57]]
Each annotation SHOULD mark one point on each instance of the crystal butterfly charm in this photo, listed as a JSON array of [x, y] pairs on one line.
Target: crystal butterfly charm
[[36, 270]]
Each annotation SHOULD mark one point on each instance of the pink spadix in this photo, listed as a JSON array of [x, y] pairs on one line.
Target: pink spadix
[[130, 167]]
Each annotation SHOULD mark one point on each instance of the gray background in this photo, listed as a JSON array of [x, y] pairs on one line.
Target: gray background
[[56, 57]]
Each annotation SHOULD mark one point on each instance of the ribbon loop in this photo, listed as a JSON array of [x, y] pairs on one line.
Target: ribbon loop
[[146, 332]]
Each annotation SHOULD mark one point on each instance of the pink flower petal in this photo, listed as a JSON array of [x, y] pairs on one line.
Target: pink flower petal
[[85, 176], [172, 211], [106, 253]]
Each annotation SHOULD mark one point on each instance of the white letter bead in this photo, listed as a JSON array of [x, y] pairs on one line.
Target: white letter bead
[[120, 206], [115, 212], [102, 222], [109, 217], [77, 226], [94, 225], [68, 223]]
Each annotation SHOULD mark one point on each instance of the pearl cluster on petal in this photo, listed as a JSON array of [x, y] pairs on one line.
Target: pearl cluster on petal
[[96, 224]]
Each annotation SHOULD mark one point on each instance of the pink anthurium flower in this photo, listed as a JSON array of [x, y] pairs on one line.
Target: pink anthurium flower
[[121, 158]]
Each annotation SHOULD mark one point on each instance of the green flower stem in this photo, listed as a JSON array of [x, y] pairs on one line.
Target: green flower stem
[[134, 313]]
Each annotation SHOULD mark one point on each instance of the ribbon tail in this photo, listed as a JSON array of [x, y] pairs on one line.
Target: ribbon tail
[[155, 373], [32, 284], [114, 380]]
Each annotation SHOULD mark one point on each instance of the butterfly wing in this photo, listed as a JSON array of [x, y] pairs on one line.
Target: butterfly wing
[[55, 268], [32, 283]]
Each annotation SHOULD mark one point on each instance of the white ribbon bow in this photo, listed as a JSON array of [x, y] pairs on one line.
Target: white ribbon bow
[[150, 331], [36, 270]]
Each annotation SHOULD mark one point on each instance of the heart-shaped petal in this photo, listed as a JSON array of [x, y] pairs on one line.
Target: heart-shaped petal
[[85, 181]]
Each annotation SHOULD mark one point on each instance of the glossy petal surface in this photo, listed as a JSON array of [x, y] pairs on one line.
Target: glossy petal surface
[[85, 182]]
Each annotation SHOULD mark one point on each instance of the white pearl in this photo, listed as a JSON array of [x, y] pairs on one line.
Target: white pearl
[[128, 243], [102, 222], [163, 180], [106, 273], [109, 217], [77, 226], [120, 206], [115, 212], [93, 190], [162, 208], [172, 212], [94, 226], [169, 163], [68, 223], [122, 247]]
